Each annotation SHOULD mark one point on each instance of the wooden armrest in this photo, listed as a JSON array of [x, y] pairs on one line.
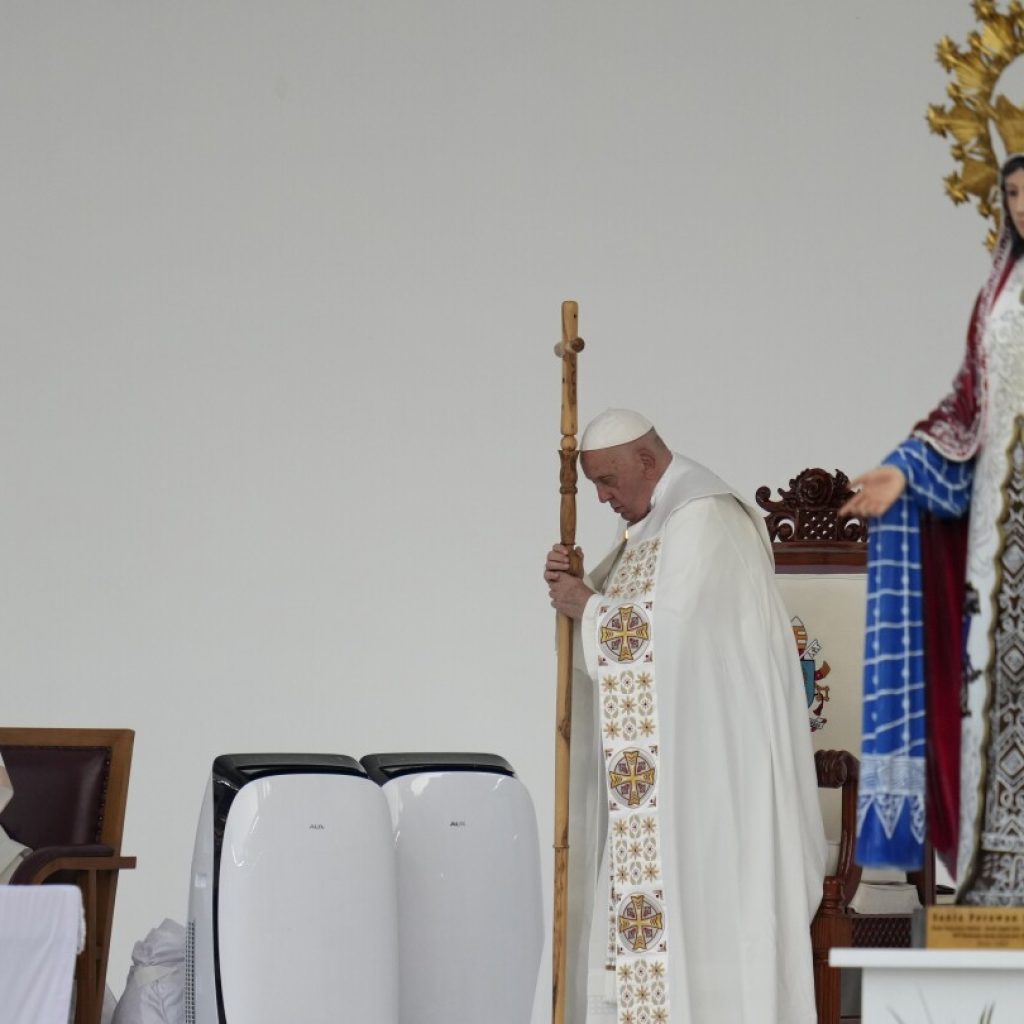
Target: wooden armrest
[[42, 863], [85, 864], [839, 769], [836, 768]]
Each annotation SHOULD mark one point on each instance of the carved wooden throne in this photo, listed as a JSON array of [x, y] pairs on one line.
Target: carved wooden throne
[[821, 563]]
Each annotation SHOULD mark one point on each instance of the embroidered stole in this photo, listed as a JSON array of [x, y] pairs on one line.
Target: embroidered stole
[[637, 936]]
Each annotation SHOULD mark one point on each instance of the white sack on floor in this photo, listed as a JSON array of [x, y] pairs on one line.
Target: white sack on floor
[[109, 1005], [155, 990]]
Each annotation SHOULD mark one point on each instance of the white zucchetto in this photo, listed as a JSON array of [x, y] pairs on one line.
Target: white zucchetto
[[614, 427]]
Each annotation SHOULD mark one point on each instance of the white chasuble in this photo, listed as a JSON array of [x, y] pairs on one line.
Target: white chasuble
[[697, 849]]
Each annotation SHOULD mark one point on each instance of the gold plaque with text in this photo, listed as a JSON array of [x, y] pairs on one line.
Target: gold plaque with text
[[974, 927]]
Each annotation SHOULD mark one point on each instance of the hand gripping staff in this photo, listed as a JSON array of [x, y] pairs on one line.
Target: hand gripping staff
[[566, 350]]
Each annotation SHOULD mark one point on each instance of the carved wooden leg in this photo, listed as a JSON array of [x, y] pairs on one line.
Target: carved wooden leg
[[830, 928]]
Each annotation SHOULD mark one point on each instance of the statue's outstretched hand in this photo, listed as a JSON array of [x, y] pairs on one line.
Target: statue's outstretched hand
[[879, 488]]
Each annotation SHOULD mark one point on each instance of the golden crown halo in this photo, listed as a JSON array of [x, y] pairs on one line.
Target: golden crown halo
[[969, 119]]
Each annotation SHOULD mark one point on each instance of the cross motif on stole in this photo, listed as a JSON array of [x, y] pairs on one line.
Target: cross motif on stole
[[626, 634]]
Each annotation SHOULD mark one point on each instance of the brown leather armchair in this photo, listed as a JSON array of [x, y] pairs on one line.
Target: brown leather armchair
[[70, 791]]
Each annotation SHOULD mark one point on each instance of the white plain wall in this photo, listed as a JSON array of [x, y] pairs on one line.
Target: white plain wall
[[278, 408]]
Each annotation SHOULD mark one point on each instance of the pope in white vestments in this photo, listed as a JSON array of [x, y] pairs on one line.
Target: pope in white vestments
[[697, 844]]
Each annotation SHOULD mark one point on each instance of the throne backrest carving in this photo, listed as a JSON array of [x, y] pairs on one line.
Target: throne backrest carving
[[806, 518], [821, 570]]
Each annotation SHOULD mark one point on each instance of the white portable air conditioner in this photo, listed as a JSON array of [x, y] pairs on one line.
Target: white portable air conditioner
[[292, 913], [469, 895]]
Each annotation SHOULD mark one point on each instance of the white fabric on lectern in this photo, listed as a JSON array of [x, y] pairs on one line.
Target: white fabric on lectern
[[743, 846], [40, 935]]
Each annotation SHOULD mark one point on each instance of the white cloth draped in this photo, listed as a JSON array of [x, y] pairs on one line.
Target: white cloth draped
[[743, 847], [41, 932], [155, 990]]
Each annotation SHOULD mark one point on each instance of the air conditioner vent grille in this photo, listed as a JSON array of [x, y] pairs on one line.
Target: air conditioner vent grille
[[190, 973]]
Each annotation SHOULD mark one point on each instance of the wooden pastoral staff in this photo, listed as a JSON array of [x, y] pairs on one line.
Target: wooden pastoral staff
[[566, 350]]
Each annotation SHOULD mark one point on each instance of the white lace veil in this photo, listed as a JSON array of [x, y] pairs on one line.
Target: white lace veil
[[1002, 254]]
